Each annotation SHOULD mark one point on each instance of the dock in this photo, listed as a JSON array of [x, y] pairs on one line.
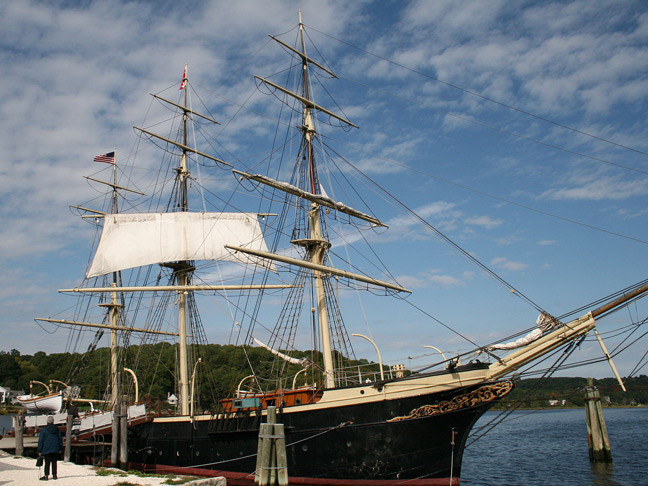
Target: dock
[[22, 471], [9, 443]]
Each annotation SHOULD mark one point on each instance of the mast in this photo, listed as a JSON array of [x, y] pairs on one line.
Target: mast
[[314, 239], [114, 311], [184, 268], [114, 307], [317, 245]]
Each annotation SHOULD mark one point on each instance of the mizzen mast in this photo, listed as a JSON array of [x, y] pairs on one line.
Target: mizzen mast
[[114, 309], [114, 306]]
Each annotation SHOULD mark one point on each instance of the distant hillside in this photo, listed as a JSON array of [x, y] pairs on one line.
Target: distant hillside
[[569, 392]]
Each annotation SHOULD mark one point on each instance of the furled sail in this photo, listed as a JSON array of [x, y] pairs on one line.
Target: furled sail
[[321, 199], [134, 240], [544, 323], [305, 362]]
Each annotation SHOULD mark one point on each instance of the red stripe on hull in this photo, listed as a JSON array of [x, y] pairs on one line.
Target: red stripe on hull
[[244, 479]]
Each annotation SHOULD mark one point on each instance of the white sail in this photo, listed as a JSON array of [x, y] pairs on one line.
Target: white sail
[[134, 240]]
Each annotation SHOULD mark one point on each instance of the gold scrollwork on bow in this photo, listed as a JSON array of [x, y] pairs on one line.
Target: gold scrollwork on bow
[[483, 394]]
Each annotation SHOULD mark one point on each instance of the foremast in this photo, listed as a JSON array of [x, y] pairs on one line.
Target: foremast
[[317, 245], [315, 241]]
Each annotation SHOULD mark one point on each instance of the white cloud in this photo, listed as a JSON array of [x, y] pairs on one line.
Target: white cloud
[[600, 188], [484, 221], [433, 277], [504, 263]]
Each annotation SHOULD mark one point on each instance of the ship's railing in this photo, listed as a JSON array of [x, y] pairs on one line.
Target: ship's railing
[[368, 373]]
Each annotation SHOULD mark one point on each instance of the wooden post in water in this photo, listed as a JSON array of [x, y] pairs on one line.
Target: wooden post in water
[[597, 436], [19, 424], [272, 462]]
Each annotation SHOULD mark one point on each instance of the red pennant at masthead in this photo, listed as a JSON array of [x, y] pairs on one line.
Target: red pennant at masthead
[[184, 78]]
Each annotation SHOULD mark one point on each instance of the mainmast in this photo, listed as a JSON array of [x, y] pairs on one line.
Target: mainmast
[[184, 269], [175, 239]]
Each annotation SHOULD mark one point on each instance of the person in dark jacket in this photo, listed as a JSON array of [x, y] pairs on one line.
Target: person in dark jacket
[[50, 445]]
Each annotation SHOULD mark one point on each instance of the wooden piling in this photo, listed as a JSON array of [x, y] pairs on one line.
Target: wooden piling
[[68, 437], [272, 463], [19, 424], [114, 450], [282, 458], [123, 437], [597, 436], [262, 476]]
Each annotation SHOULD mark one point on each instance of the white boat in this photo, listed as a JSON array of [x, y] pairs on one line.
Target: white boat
[[51, 403]]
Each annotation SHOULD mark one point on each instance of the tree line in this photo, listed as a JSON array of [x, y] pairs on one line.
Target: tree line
[[218, 374], [222, 368], [570, 392]]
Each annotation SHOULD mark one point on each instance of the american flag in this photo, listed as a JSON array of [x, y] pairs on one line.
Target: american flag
[[108, 158]]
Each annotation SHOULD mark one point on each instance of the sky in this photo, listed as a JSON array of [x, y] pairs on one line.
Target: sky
[[516, 128]]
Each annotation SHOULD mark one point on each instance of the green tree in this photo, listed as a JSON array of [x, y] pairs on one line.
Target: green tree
[[10, 371]]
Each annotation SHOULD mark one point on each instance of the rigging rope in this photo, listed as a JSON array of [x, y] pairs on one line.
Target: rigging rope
[[501, 199], [444, 238], [491, 100], [567, 351]]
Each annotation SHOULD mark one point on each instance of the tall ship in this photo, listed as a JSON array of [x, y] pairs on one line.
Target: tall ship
[[270, 241]]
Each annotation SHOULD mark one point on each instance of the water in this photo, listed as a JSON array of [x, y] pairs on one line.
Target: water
[[6, 423], [549, 447]]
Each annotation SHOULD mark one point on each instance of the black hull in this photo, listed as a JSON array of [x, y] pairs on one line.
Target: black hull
[[382, 442]]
